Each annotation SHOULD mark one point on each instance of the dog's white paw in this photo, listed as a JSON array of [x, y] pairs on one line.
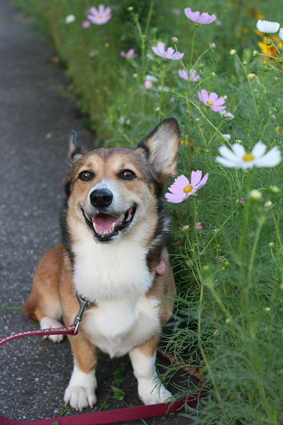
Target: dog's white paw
[[49, 323], [80, 397], [81, 390], [150, 393]]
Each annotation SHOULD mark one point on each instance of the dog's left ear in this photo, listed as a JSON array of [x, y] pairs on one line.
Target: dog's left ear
[[76, 149], [162, 147]]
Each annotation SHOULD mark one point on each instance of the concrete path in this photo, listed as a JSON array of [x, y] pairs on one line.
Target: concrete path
[[36, 117]]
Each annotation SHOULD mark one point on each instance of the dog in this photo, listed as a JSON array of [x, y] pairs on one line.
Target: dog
[[113, 254]]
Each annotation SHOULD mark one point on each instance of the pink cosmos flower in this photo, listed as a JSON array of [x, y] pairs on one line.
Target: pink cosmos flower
[[166, 54], [202, 19], [181, 189], [193, 77], [86, 24], [130, 54], [100, 16], [211, 100]]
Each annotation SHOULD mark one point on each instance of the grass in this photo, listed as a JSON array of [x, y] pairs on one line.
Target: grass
[[229, 275]]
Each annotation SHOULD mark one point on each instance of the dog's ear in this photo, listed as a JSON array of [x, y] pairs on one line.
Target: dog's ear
[[76, 149], [162, 147]]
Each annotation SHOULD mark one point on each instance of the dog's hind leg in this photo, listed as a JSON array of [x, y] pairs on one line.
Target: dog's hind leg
[[43, 304], [143, 357]]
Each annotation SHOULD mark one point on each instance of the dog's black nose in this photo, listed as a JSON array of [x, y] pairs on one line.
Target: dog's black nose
[[101, 198]]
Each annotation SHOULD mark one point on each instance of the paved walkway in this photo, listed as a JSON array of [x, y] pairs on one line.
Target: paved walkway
[[36, 118]]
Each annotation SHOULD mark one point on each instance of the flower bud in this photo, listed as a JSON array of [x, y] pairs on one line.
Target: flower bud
[[271, 244], [268, 42], [233, 52], [255, 195], [69, 19], [274, 189], [198, 226], [212, 46], [268, 204], [148, 85], [186, 228], [130, 8], [213, 74], [255, 53], [174, 39], [197, 119]]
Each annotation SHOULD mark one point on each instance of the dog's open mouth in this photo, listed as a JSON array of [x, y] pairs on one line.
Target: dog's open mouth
[[105, 226]]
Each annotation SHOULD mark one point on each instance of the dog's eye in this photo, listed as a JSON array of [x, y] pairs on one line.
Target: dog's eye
[[127, 175], [85, 176]]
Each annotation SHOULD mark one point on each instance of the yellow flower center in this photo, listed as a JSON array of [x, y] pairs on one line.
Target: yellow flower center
[[209, 102], [100, 16], [188, 189], [248, 157]]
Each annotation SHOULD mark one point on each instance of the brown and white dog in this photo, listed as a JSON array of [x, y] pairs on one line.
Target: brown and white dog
[[115, 233]]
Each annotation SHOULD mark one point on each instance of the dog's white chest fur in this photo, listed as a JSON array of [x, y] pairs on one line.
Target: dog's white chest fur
[[117, 326], [111, 271], [115, 277]]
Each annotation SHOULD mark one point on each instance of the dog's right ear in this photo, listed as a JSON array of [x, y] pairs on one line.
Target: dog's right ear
[[76, 149]]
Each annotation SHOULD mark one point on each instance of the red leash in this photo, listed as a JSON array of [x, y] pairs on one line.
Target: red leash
[[112, 416]]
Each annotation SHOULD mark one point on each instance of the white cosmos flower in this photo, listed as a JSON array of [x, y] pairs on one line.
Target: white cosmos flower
[[239, 158], [281, 34], [267, 27]]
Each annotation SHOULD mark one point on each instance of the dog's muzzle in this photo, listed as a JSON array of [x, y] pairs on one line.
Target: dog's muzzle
[[106, 226]]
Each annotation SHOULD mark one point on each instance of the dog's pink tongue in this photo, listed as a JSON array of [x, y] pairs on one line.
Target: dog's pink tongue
[[104, 223]]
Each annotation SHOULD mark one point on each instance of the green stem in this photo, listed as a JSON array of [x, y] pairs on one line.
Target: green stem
[[192, 48], [221, 122], [148, 18], [244, 69], [217, 232], [162, 85], [201, 56], [150, 109]]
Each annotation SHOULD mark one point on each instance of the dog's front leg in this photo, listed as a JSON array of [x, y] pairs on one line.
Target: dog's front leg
[[143, 358], [81, 390]]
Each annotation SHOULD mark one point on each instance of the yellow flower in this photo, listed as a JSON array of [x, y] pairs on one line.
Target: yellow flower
[[278, 130], [269, 50]]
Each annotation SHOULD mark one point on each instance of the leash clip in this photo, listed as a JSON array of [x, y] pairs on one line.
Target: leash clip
[[83, 305]]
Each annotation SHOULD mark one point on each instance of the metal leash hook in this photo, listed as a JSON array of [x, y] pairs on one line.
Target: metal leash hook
[[83, 305]]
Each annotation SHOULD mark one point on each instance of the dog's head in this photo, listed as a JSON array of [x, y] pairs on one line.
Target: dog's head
[[112, 190]]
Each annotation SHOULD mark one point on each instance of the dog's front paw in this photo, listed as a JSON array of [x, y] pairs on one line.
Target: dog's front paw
[[80, 397], [152, 393], [81, 390], [49, 323]]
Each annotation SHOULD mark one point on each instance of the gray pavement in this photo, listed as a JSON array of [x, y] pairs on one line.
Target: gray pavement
[[36, 116]]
